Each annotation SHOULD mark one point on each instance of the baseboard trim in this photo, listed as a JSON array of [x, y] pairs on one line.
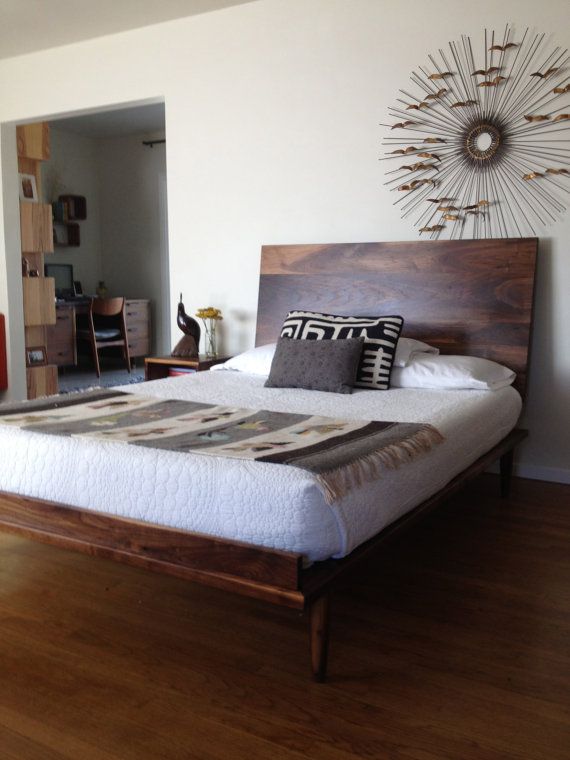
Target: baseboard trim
[[550, 474]]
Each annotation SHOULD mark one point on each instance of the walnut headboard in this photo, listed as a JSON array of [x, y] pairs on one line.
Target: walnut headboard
[[463, 296]]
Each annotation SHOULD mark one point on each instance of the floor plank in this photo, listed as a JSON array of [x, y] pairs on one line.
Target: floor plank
[[452, 644]]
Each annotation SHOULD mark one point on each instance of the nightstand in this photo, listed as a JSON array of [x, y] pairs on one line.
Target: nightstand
[[156, 367]]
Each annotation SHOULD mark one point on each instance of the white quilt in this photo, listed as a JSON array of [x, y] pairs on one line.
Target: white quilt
[[260, 503]]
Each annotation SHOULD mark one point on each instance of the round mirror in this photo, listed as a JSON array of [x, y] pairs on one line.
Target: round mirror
[[482, 141]]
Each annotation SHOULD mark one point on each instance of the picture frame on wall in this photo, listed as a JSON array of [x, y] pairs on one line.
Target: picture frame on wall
[[36, 356], [28, 188]]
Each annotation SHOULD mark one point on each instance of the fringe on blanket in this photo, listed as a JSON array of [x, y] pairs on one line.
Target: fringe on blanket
[[336, 483]]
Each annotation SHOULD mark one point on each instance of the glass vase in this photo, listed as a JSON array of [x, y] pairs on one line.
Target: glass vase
[[211, 346]]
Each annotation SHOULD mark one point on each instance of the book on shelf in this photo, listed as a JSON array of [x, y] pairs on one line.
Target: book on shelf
[[176, 371], [60, 212]]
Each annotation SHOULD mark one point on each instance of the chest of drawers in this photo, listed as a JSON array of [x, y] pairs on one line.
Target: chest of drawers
[[137, 317], [61, 345]]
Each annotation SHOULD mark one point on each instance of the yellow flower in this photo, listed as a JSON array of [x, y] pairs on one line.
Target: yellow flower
[[209, 312]]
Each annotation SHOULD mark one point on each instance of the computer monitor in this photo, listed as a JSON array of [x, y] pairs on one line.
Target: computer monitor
[[63, 276]]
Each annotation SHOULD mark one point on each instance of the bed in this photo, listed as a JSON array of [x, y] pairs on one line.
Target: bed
[[277, 539]]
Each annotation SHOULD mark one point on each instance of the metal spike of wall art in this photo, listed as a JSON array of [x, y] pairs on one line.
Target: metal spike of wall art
[[481, 147]]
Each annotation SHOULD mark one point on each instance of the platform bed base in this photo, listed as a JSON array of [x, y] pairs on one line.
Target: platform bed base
[[267, 574]]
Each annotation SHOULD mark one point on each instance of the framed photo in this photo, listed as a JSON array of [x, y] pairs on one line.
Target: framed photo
[[36, 357], [28, 188]]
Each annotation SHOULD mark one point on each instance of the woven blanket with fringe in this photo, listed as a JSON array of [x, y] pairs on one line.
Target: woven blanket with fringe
[[341, 454]]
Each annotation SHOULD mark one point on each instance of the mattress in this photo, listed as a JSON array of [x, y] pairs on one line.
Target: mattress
[[259, 503]]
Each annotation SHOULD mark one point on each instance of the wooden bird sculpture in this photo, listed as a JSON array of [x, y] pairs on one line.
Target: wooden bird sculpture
[[187, 346]]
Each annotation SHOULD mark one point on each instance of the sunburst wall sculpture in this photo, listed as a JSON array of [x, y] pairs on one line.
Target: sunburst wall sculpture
[[481, 148]]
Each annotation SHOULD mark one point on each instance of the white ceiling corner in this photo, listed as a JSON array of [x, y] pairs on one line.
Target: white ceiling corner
[[30, 25]]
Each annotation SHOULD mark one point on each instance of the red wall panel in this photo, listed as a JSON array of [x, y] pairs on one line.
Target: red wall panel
[[3, 366]]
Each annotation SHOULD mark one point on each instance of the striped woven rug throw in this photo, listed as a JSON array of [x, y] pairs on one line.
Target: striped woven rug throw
[[341, 454]]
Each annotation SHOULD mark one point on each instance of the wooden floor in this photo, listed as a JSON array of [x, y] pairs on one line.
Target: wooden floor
[[456, 645]]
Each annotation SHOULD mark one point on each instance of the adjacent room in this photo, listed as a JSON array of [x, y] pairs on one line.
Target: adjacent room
[[284, 380], [104, 176]]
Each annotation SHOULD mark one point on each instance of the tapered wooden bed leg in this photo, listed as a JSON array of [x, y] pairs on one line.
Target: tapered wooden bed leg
[[506, 465], [319, 614]]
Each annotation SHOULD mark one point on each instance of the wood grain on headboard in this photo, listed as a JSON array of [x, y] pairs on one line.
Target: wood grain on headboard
[[463, 296]]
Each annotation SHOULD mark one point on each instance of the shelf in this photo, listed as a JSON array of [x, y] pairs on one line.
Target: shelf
[[76, 207], [66, 234], [33, 141], [39, 301], [65, 211], [36, 227], [41, 381]]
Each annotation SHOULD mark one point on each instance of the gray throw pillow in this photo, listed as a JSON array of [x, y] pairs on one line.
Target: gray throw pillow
[[317, 365]]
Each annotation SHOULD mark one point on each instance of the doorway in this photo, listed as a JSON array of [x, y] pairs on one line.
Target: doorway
[[116, 160]]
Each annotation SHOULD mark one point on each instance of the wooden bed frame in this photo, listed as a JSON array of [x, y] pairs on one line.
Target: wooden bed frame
[[473, 297]]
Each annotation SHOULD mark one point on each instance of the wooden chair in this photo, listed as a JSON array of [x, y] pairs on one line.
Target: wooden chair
[[106, 327]]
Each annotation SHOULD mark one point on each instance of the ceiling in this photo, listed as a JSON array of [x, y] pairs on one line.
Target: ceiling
[[30, 25], [115, 123]]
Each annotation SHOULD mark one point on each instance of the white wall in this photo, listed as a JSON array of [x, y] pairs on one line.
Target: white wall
[[11, 304], [272, 113], [130, 176], [72, 169]]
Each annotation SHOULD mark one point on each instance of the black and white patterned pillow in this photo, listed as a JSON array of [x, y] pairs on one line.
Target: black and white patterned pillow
[[380, 339]]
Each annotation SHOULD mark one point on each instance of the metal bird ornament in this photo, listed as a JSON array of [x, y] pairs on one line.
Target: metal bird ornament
[[404, 124], [429, 155], [546, 74], [187, 346], [433, 228], [502, 48], [436, 95], [402, 152], [486, 72], [440, 75]]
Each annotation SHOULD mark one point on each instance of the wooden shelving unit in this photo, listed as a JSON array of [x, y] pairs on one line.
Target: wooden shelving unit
[[33, 142], [42, 381], [39, 301], [67, 211], [76, 207], [36, 227], [66, 234], [36, 232]]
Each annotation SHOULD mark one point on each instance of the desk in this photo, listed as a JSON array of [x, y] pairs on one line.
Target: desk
[[61, 337]]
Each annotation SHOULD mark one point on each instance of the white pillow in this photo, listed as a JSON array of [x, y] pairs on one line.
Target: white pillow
[[256, 361], [407, 348], [452, 373]]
